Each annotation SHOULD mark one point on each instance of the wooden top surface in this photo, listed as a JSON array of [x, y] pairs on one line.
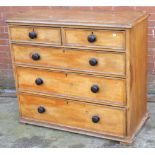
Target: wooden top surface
[[122, 19]]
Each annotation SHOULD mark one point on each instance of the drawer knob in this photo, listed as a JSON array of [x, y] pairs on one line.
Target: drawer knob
[[93, 62], [91, 38], [95, 88], [35, 56], [39, 81], [41, 109], [32, 35], [95, 119]]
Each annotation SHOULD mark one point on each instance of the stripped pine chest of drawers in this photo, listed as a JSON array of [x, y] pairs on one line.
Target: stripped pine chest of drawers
[[81, 71]]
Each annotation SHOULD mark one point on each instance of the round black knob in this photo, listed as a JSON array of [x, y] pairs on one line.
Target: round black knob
[[39, 81], [95, 119], [95, 88], [93, 62], [35, 56], [41, 109], [91, 38], [32, 35]]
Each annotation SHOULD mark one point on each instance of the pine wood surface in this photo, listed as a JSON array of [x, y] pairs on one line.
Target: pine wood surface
[[72, 84], [62, 42], [95, 18], [108, 62]]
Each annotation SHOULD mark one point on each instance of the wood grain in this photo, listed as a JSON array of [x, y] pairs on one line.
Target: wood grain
[[44, 34], [85, 18], [121, 72], [72, 84], [104, 38], [72, 113], [137, 83], [108, 62]]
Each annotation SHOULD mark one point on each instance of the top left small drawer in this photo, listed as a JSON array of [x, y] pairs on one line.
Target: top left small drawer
[[35, 34]]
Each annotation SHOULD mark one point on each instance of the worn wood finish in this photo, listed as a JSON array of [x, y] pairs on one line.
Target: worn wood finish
[[121, 51], [85, 18], [104, 38], [44, 34], [73, 113], [137, 82], [72, 84], [123, 140], [108, 62]]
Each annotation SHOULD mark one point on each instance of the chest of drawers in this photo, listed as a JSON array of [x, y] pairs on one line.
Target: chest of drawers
[[81, 71]]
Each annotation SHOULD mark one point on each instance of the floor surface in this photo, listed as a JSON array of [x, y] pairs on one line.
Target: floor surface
[[16, 135]]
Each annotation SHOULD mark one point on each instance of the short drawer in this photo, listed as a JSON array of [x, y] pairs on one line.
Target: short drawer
[[35, 34], [78, 60], [86, 87], [95, 38], [73, 114]]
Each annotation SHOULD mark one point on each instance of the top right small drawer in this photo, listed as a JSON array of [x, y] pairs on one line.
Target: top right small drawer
[[108, 39]]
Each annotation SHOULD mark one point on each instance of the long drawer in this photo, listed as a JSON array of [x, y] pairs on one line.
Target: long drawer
[[112, 39], [96, 118], [71, 84], [79, 60], [35, 34]]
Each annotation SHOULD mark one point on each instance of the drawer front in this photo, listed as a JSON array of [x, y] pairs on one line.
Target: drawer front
[[95, 38], [79, 60], [73, 114], [35, 34], [74, 85]]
